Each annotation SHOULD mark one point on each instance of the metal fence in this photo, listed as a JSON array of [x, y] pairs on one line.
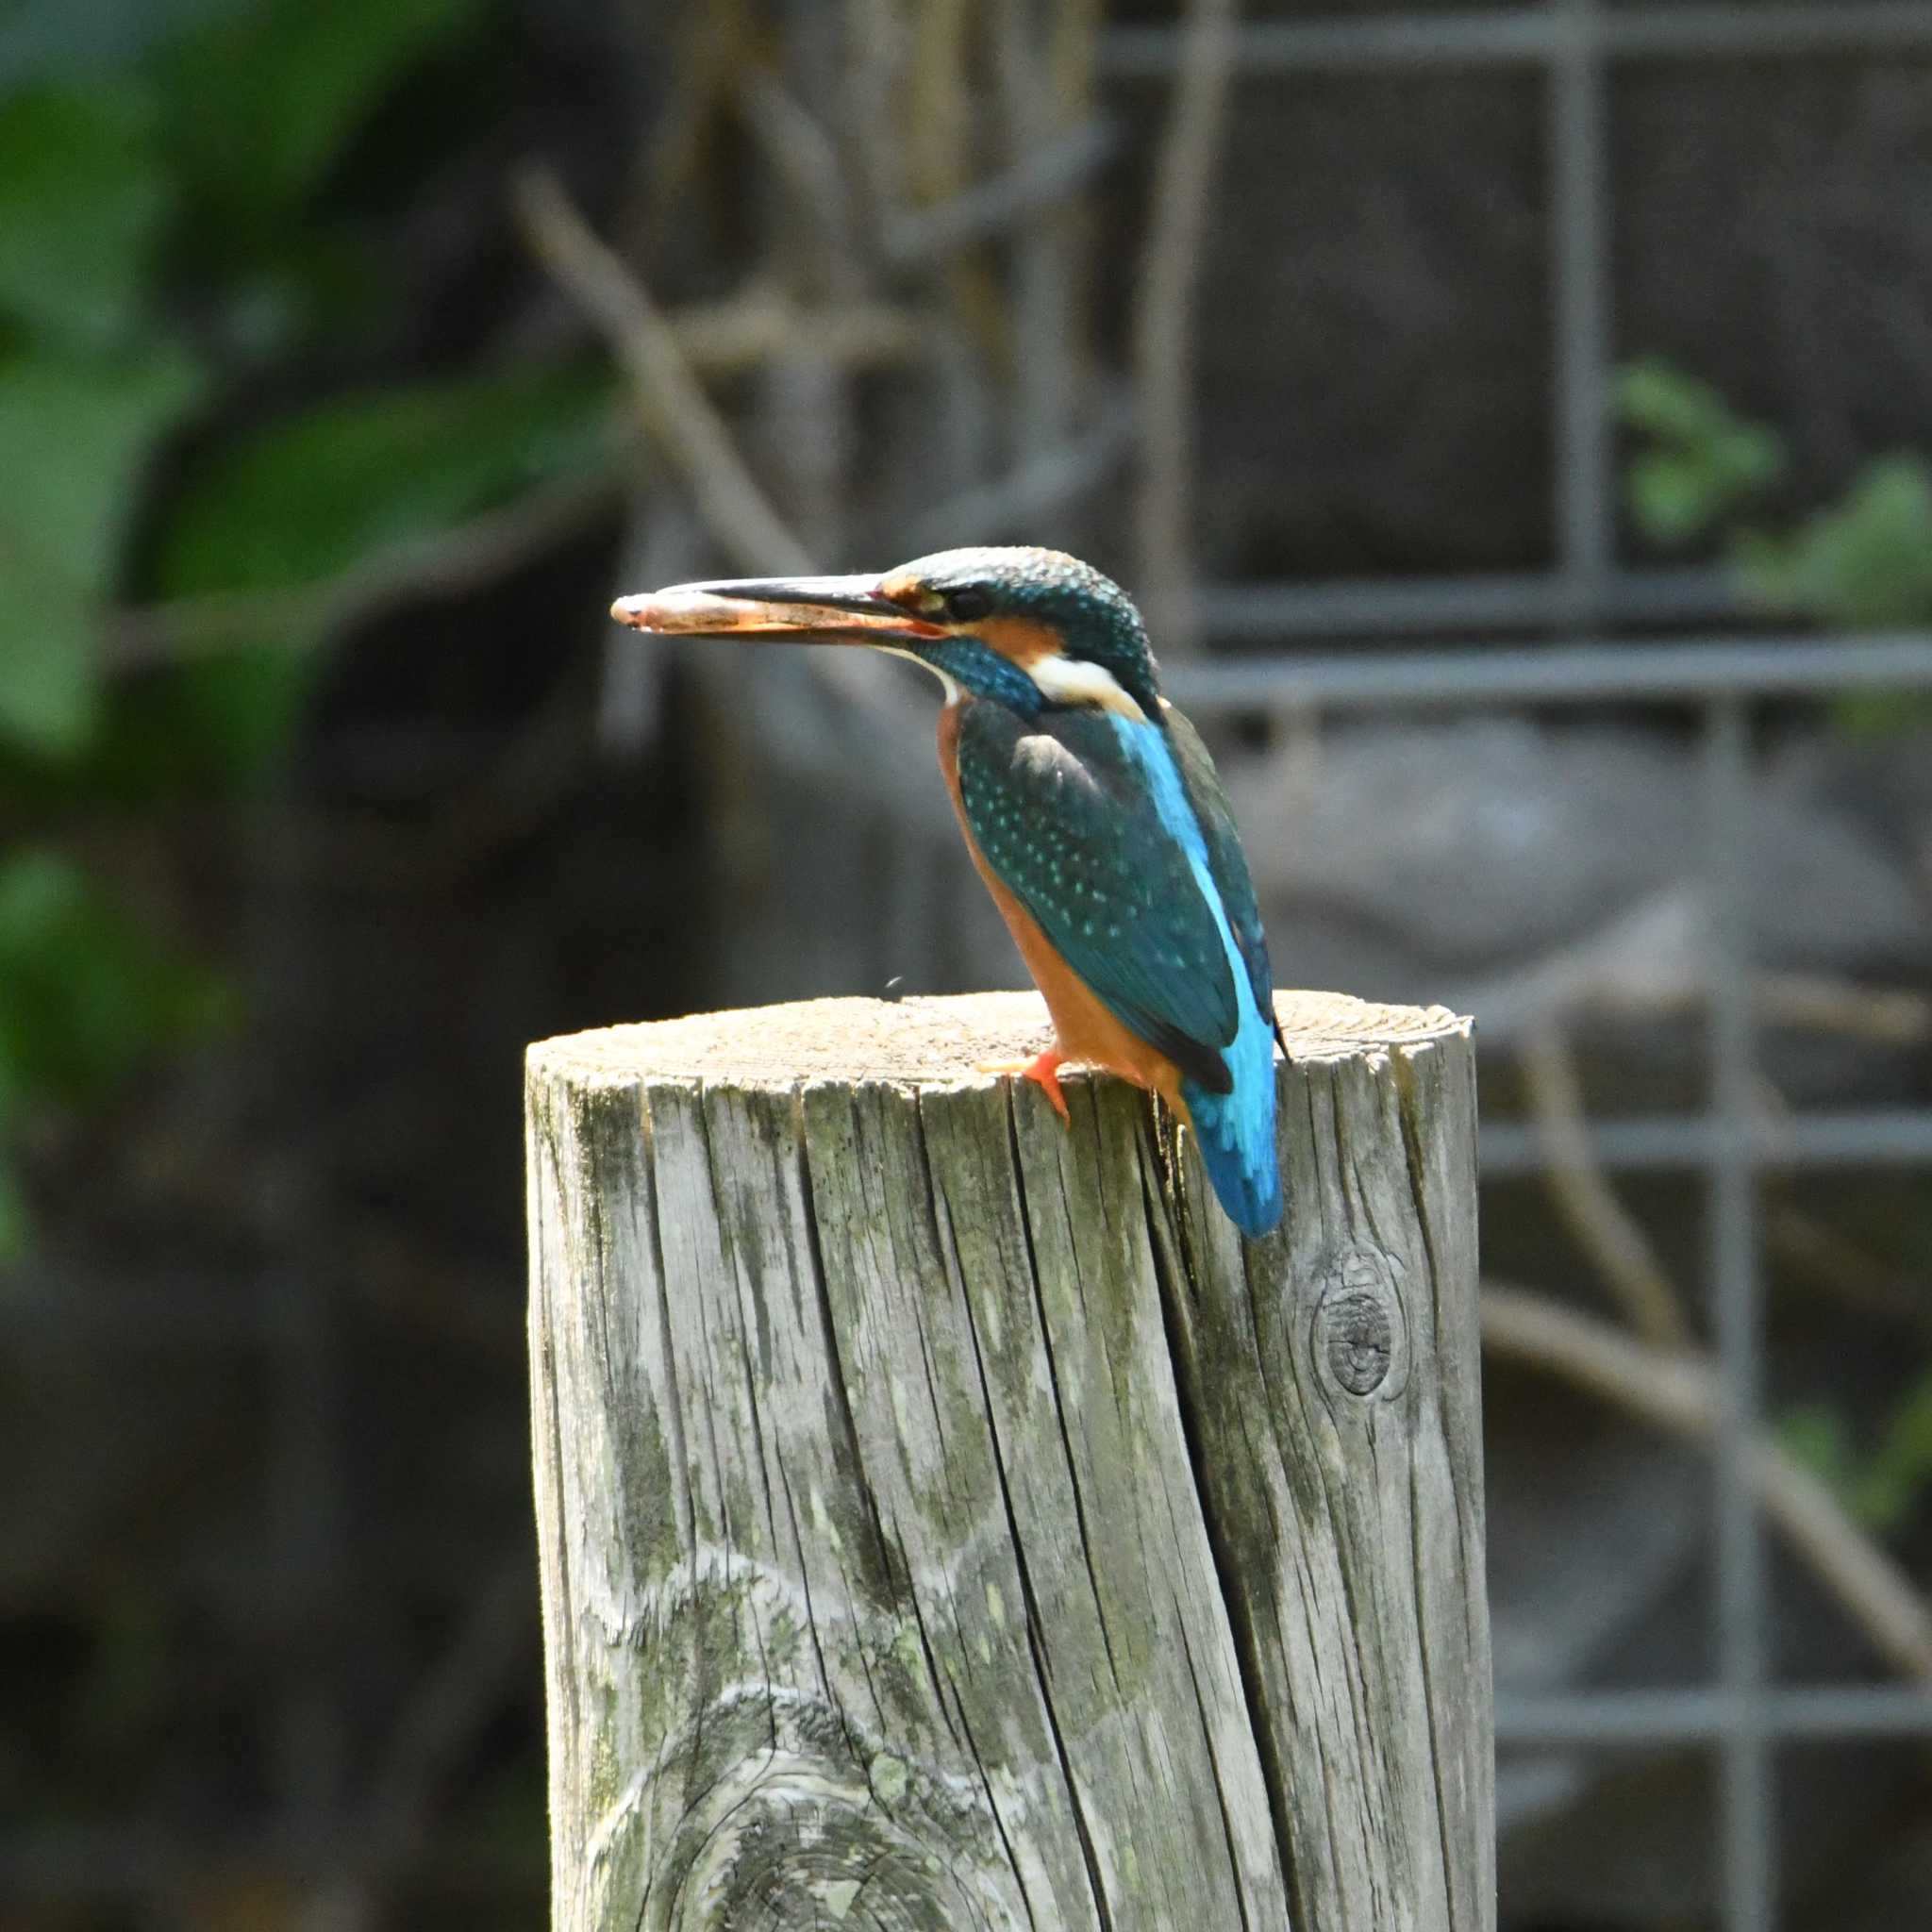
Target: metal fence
[[1744, 1715], [1575, 44]]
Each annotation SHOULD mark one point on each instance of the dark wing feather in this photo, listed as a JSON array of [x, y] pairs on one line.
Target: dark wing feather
[[1072, 832], [1227, 861]]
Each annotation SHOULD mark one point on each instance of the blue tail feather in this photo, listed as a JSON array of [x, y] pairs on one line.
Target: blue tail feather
[[1250, 1191], [1235, 1129]]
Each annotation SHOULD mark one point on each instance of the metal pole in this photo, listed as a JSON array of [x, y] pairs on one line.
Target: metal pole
[[1687, 671], [1749, 1886], [1524, 35], [1579, 255]]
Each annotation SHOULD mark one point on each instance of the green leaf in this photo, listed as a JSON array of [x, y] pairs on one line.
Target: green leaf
[[307, 496], [1868, 562], [75, 436], [1899, 1468], [231, 717], [1674, 497], [1660, 401], [266, 99], [1883, 1488], [1878, 714], [1767, 563], [84, 199], [48, 676], [1750, 458], [1703, 462]]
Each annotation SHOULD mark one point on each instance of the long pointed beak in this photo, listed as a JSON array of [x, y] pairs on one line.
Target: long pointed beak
[[814, 609]]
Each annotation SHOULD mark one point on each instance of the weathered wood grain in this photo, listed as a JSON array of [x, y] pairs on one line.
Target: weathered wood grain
[[946, 1521]]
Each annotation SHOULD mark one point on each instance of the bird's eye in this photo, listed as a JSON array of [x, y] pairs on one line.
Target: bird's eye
[[965, 606]]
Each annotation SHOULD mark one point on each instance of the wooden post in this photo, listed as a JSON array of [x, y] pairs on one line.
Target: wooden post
[[947, 1523]]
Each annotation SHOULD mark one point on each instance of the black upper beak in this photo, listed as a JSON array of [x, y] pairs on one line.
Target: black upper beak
[[820, 609]]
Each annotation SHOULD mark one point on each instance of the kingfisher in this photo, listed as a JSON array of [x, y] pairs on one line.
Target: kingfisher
[[1091, 810]]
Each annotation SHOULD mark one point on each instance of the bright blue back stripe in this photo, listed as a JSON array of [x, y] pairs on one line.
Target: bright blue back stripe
[[1236, 1130]]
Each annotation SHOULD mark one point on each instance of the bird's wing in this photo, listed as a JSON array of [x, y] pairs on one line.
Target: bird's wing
[[1069, 824], [1227, 861]]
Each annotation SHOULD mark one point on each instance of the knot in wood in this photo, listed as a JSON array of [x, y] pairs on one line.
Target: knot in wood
[[791, 1839], [1359, 1337]]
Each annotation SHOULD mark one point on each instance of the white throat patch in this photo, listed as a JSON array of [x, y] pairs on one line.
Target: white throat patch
[[1079, 681]]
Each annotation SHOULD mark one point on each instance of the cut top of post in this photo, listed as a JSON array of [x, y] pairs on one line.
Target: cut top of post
[[947, 1041]]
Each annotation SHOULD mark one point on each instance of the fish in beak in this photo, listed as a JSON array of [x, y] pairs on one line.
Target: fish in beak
[[804, 609]]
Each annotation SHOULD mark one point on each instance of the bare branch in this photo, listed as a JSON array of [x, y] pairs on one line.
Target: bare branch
[[1600, 1222], [1648, 958], [723, 338], [1679, 1392], [1042, 180], [675, 408], [739, 516], [438, 565], [1813, 1003]]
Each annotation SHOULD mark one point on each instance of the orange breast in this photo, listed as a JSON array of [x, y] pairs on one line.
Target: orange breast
[[1085, 1028]]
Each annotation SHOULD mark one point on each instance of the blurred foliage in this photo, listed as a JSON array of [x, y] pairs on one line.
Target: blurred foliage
[[1701, 471], [302, 499], [183, 275], [85, 991], [250, 150], [1883, 1484], [1698, 464]]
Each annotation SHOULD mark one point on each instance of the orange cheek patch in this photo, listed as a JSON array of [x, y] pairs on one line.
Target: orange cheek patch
[[1023, 639]]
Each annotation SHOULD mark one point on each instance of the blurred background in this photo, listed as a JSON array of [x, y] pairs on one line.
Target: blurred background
[[1518, 426]]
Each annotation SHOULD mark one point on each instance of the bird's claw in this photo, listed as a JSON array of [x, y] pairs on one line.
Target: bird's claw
[[1044, 1070]]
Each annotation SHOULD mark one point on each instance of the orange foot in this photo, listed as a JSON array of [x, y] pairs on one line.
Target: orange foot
[[1044, 1070]]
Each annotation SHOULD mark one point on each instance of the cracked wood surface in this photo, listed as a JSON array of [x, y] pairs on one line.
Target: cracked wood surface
[[948, 1521]]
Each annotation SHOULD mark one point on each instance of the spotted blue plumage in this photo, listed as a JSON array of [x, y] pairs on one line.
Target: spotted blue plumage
[[1112, 833]]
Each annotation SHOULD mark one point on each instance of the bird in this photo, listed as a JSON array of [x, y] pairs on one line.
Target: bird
[[1091, 810]]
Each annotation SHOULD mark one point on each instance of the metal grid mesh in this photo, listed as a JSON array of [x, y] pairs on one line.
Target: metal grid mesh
[[1743, 1715]]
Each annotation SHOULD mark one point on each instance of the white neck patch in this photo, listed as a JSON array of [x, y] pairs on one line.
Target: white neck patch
[[1079, 681]]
